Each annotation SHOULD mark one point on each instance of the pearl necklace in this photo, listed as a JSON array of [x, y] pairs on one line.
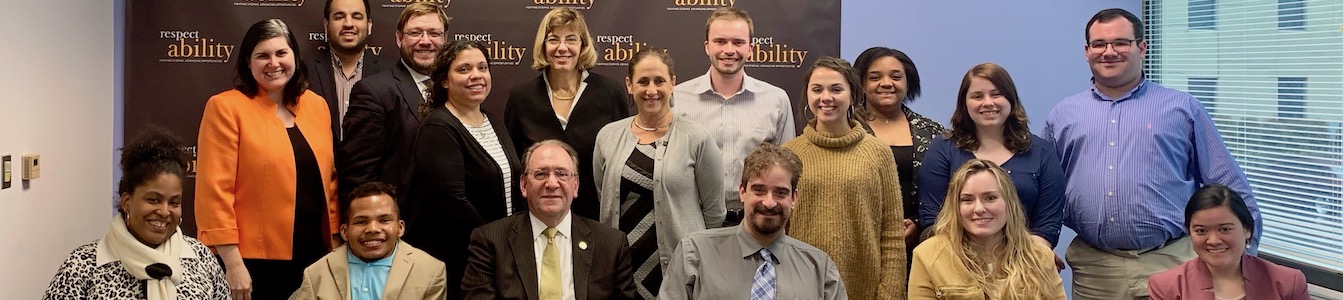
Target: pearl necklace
[[636, 124]]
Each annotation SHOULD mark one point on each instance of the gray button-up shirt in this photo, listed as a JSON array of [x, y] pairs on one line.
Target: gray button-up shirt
[[721, 264], [758, 113]]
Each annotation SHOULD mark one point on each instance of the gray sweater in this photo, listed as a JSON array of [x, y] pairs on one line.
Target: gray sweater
[[687, 179]]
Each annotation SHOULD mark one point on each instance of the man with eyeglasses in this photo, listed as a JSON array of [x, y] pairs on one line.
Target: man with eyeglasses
[[548, 253], [386, 109], [1134, 152]]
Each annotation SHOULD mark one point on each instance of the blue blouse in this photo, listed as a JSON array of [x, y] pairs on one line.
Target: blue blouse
[[1036, 173]]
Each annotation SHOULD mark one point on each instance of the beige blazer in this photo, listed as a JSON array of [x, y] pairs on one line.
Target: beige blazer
[[414, 275]]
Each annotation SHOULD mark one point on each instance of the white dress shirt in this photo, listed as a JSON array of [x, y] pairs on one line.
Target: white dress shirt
[[564, 242]]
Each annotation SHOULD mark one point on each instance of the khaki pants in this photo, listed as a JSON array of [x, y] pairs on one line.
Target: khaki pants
[[1118, 274]]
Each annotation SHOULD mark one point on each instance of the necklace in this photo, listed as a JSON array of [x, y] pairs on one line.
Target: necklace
[[561, 98], [656, 128]]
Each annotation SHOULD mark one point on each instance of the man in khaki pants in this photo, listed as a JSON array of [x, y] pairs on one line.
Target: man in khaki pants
[[1134, 152]]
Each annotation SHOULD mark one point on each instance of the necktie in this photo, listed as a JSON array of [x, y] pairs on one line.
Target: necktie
[[550, 268], [763, 287], [427, 105]]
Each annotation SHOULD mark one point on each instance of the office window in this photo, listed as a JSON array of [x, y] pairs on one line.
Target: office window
[[1291, 97], [1275, 90], [1205, 89], [1202, 14], [1292, 14]]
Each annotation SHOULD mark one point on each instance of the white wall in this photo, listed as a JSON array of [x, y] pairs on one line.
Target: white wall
[[57, 100]]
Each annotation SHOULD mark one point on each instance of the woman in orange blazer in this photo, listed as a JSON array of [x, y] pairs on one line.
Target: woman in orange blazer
[[265, 195]]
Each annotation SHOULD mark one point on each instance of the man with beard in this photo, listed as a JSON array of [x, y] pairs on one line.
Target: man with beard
[[741, 111], [346, 58], [719, 263], [386, 109], [374, 264]]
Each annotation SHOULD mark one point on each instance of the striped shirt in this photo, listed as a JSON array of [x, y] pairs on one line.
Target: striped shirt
[[485, 136], [1132, 163]]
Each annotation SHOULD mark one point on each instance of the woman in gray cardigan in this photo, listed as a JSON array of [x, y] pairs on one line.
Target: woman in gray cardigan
[[659, 175]]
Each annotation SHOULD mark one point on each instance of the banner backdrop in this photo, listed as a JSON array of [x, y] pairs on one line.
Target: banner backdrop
[[181, 52]]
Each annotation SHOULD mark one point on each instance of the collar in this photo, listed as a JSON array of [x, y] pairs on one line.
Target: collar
[[103, 255], [1127, 95], [384, 262], [748, 84], [335, 60], [749, 247], [564, 228], [415, 74], [582, 79]]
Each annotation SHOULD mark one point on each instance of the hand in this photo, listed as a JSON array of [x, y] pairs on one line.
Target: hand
[[1058, 263], [239, 279], [910, 230]]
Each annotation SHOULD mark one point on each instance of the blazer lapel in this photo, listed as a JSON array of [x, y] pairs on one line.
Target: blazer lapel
[[400, 272], [339, 266], [582, 257], [524, 256], [409, 89]]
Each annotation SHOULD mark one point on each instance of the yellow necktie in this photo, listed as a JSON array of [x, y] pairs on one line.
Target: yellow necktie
[[550, 268]]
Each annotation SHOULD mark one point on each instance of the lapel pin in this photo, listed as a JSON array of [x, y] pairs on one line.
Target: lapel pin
[[582, 245]]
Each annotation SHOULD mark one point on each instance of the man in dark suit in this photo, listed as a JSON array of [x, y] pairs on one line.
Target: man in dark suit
[[548, 253], [385, 109], [346, 58]]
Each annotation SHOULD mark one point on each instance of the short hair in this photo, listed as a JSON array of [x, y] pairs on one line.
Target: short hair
[[1110, 14], [261, 31], [653, 52], [1016, 129], [729, 14], [1214, 196], [419, 9], [850, 76], [864, 64], [527, 156], [443, 67], [370, 189], [564, 17], [768, 155], [326, 10]]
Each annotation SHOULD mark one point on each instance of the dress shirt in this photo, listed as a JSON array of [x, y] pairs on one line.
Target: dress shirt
[[721, 264], [564, 247], [1132, 163], [1035, 173], [420, 81], [582, 85], [367, 279], [757, 113], [345, 83]]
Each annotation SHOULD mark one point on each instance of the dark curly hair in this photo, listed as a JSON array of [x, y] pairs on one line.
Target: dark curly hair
[[443, 67], [154, 153], [1016, 132]]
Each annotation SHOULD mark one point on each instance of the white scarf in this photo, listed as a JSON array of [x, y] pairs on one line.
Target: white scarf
[[136, 256]]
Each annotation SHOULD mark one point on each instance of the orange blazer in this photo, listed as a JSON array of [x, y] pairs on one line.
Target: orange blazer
[[245, 172]]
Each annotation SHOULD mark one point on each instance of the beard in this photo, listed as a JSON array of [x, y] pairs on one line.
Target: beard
[[767, 225]]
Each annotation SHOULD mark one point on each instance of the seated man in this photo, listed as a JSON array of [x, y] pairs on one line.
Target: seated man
[[548, 253], [374, 264], [755, 260]]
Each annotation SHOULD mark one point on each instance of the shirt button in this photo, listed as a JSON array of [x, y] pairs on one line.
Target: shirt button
[[366, 289], [1112, 219], [1112, 143], [1111, 194], [1113, 121], [1111, 167]]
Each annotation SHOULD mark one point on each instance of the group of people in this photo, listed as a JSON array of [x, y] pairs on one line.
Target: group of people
[[313, 170]]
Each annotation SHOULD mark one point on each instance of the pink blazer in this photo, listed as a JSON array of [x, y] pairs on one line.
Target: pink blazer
[[1263, 280]]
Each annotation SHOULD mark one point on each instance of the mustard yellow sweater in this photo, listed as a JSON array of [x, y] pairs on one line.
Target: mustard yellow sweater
[[849, 206]]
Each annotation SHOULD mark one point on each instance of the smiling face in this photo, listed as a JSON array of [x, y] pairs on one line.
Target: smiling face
[[550, 197], [829, 96], [154, 209], [729, 45], [983, 212], [469, 78], [885, 83], [651, 86], [347, 26], [563, 45], [986, 104], [420, 40], [768, 200], [1112, 68], [1219, 237], [272, 64], [375, 227]]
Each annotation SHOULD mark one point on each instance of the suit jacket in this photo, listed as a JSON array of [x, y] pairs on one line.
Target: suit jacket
[[455, 187], [502, 264], [530, 119], [414, 275], [380, 129], [322, 80], [246, 176], [1263, 280]]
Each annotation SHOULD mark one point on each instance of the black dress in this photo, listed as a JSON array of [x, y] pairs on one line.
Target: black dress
[[637, 220], [277, 279]]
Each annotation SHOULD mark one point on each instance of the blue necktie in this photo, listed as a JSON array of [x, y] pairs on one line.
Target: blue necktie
[[764, 285]]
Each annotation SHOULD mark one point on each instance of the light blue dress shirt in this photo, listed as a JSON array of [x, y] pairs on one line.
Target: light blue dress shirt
[[367, 279]]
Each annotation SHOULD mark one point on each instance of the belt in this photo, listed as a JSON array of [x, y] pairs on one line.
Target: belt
[[1163, 245]]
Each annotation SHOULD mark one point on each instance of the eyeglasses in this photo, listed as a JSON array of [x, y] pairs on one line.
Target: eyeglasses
[[561, 175], [417, 34], [1120, 45]]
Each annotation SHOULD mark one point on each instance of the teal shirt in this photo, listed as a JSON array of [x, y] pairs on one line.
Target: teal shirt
[[367, 279]]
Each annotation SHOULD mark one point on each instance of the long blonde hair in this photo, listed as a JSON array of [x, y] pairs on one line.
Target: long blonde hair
[[1023, 266]]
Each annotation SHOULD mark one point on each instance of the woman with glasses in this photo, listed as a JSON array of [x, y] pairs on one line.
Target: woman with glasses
[[566, 102], [659, 175], [465, 165]]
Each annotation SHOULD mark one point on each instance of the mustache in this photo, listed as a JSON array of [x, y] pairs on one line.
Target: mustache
[[777, 210]]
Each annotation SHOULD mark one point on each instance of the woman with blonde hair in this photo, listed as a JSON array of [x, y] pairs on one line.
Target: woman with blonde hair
[[981, 248]]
